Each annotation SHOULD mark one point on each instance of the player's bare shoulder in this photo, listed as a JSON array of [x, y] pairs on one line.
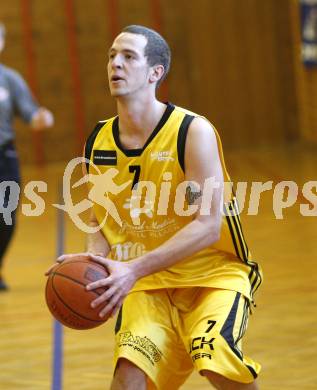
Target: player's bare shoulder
[[201, 127], [201, 132]]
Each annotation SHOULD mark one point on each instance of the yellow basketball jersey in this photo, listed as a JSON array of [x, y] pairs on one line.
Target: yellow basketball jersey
[[140, 206]]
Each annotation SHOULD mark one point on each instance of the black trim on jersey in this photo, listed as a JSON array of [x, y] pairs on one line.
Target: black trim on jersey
[[137, 152], [227, 331], [244, 320], [258, 279], [241, 248], [232, 236], [251, 369], [227, 328], [252, 265], [90, 141], [181, 139], [236, 208], [118, 322], [240, 238]]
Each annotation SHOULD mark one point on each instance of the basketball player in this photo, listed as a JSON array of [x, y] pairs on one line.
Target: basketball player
[[182, 279], [15, 98]]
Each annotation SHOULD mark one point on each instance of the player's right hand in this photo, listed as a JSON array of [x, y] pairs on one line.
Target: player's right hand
[[69, 256], [47, 273]]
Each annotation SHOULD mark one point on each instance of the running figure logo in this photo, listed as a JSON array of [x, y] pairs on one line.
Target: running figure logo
[[103, 184]]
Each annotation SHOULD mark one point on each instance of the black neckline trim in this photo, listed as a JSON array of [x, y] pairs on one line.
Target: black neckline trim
[[137, 152]]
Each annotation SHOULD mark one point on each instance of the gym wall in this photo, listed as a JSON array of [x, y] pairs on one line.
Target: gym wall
[[234, 61]]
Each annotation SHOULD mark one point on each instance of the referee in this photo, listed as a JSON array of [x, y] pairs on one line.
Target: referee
[[15, 99]]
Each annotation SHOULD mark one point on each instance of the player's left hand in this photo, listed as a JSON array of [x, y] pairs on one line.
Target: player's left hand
[[120, 281]]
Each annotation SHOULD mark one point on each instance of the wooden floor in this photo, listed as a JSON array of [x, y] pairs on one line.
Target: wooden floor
[[282, 333]]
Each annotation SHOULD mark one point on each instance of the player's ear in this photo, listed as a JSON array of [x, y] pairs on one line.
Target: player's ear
[[157, 72]]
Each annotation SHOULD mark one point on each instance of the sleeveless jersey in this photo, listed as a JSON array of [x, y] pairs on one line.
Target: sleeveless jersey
[[140, 204]]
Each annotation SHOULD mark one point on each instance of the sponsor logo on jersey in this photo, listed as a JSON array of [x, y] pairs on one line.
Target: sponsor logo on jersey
[[141, 344], [152, 229], [105, 157], [127, 250], [162, 156], [203, 343]]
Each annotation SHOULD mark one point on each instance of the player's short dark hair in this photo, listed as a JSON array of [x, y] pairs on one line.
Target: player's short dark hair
[[156, 50]]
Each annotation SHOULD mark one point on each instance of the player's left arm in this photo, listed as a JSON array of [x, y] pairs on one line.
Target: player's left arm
[[202, 163]]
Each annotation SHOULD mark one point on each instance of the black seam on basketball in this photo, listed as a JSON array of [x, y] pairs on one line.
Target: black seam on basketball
[[76, 281], [62, 265], [79, 261], [72, 310]]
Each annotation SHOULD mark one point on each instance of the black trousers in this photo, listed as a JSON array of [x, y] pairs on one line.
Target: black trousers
[[9, 171]]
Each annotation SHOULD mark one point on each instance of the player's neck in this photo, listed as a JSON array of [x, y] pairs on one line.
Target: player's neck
[[139, 117]]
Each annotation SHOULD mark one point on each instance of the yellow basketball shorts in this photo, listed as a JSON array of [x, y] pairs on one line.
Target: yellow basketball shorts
[[169, 332]]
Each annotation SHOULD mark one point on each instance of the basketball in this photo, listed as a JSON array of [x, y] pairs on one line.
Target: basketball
[[66, 294]]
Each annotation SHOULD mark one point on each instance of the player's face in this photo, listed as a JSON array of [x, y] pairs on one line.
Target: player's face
[[128, 69]]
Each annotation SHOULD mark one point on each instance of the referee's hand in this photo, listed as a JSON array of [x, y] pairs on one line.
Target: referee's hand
[[42, 119]]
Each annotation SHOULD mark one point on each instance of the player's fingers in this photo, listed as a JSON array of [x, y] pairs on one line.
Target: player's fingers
[[111, 305], [104, 297], [96, 254], [100, 283], [70, 256], [59, 260], [98, 259], [117, 307], [64, 257], [51, 269]]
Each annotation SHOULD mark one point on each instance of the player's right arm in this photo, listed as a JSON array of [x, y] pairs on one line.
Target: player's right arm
[[97, 243]]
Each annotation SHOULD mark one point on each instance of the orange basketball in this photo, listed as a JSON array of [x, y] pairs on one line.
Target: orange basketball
[[66, 294]]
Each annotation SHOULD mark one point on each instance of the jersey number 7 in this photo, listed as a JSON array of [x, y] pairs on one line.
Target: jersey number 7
[[136, 169]]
